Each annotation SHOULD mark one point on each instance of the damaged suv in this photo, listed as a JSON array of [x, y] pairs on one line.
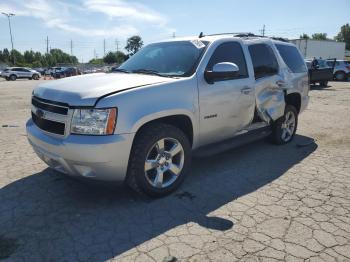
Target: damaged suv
[[142, 123]]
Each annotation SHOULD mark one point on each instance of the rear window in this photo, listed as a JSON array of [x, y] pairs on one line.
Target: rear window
[[292, 58]]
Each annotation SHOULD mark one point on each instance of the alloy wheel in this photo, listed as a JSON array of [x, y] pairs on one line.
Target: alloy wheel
[[288, 126], [164, 162]]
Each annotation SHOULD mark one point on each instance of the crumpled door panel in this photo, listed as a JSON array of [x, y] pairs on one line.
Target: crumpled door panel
[[270, 101]]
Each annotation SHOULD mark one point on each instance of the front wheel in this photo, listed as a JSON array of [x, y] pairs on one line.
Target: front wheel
[[159, 160], [284, 128], [35, 77], [13, 77]]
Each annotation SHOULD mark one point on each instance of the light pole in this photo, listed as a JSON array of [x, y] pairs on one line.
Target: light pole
[[8, 17]]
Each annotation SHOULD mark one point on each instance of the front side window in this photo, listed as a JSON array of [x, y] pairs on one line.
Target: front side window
[[178, 58], [229, 52], [264, 60], [292, 58]]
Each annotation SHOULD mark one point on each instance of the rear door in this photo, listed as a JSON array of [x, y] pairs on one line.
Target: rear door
[[269, 82]]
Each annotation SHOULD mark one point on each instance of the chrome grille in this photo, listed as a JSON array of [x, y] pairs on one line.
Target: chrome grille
[[50, 116]]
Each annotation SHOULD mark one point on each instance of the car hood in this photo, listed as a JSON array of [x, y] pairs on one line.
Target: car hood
[[85, 90]]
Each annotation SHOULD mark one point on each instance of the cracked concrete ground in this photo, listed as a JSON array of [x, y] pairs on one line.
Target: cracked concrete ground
[[257, 203]]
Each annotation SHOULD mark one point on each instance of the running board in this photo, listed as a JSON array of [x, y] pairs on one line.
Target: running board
[[236, 141]]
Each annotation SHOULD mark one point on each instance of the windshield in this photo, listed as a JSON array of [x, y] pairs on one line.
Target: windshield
[[177, 58]]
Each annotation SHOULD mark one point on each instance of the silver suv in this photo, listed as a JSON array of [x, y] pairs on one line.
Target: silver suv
[[13, 73], [142, 123]]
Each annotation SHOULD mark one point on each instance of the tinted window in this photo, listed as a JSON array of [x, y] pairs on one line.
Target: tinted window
[[229, 52], [264, 60], [292, 58]]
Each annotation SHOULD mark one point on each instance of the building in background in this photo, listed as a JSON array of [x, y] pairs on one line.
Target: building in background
[[320, 48]]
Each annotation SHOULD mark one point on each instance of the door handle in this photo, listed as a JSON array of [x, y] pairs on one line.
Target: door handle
[[280, 83], [246, 90]]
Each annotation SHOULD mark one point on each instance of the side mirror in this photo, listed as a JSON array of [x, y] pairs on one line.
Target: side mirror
[[222, 71]]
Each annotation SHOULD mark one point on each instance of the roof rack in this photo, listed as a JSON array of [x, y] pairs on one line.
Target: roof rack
[[246, 35], [234, 34]]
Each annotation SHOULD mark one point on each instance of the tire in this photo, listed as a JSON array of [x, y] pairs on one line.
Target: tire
[[280, 135], [35, 77], [7, 78], [324, 83], [13, 77], [340, 76], [144, 179]]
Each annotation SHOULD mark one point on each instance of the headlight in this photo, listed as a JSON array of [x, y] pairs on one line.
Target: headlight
[[94, 121]]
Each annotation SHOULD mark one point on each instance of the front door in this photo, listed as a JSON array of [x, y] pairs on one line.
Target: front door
[[226, 107]]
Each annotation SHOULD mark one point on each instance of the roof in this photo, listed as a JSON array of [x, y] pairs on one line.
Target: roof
[[242, 36]]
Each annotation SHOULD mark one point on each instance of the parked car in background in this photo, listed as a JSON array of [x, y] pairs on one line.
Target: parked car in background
[[141, 123], [320, 72], [66, 72], [12, 73], [341, 70], [40, 70]]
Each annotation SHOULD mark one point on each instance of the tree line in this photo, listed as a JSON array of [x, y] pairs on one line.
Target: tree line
[[342, 36], [36, 59], [57, 56]]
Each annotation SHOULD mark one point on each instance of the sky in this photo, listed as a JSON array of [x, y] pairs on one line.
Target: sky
[[88, 24]]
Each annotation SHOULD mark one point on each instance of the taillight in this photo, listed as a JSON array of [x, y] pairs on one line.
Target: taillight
[[348, 67]]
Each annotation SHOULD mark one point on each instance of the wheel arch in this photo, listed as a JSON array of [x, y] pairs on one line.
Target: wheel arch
[[293, 99], [181, 121]]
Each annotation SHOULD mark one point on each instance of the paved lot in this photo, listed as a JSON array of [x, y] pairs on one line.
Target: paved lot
[[257, 203]]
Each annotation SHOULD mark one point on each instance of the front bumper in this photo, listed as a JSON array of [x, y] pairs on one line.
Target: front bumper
[[98, 157]]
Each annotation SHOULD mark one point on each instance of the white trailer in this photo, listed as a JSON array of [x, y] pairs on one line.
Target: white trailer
[[320, 48]]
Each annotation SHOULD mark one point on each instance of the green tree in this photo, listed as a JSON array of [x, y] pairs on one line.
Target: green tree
[[114, 57], [29, 56], [110, 58], [17, 57], [319, 36], [133, 44], [344, 35], [6, 55], [304, 36], [96, 61]]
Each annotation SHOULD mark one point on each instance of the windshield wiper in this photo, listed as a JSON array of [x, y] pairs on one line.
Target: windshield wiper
[[147, 71], [120, 70]]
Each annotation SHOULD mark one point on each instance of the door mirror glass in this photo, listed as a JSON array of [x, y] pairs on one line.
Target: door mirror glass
[[222, 71]]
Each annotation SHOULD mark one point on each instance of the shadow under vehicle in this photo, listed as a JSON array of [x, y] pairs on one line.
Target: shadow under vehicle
[[54, 218]]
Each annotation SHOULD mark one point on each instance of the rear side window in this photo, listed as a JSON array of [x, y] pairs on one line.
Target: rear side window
[[229, 52], [264, 60], [292, 58]]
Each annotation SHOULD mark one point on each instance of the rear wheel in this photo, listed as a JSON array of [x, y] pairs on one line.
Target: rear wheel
[[35, 77], [159, 160], [340, 76], [13, 77], [283, 130], [324, 83]]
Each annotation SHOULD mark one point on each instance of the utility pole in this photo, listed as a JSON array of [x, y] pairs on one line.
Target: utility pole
[[47, 44], [117, 44], [71, 47], [263, 31], [8, 17], [104, 47]]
